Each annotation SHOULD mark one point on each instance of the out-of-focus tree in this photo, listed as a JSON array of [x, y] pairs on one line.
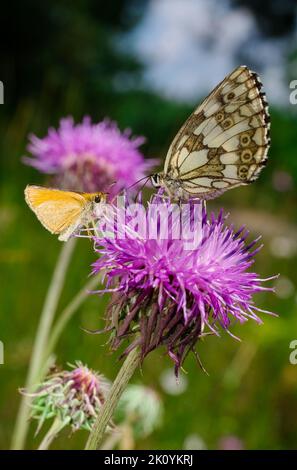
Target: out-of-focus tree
[[275, 18], [62, 52]]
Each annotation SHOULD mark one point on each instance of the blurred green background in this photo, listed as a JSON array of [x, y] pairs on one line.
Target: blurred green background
[[129, 61]]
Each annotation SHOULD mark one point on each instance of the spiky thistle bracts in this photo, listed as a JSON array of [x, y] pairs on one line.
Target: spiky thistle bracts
[[169, 292], [73, 396]]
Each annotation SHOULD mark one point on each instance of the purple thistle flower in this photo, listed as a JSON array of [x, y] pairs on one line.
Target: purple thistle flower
[[89, 157], [74, 396], [167, 294]]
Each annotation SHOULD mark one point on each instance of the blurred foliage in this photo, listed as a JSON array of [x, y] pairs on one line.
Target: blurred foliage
[[274, 18], [64, 61]]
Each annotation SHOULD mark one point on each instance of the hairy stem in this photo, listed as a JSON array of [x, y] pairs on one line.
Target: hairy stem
[[45, 323], [105, 414], [52, 433], [67, 313]]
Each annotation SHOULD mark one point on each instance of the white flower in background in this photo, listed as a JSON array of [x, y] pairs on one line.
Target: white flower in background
[[141, 408]]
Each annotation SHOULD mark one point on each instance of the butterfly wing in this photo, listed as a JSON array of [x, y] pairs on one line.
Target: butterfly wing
[[224, 143], [57, 210]]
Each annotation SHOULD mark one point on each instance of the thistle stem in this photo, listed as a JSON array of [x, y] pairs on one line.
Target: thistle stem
[[51, 434], [105, 414], [37, 357], [67, 313]]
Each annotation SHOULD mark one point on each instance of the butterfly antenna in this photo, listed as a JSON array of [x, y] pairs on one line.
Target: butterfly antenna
[[141, 179], [144, 184]]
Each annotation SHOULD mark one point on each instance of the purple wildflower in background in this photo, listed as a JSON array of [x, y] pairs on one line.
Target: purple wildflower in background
[[89, 157], [167, 294]]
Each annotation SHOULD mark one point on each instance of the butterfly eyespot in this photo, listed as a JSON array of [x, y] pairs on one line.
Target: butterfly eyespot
[[227, 123], [223, 143], [219, 117], [242, 172], [245, 140], [246, 156], [97, 199]]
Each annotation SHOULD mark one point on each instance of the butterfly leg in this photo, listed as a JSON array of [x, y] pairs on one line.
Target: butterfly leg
[[168, 190], [66, 234]]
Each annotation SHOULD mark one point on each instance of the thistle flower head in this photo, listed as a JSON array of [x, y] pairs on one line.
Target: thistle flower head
[[89, 157], [141, 408], [170, 289], [74, 396]]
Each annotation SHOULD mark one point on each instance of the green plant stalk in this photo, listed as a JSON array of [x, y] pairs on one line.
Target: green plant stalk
[[66, 315], [52, 433], [106, 412], [37, 357]]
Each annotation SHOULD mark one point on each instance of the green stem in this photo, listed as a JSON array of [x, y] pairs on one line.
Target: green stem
[[107, 410], [45, 323], [67, 313], [51, 434]]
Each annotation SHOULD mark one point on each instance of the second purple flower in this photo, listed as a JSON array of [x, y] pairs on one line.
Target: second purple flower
[[89, 157]]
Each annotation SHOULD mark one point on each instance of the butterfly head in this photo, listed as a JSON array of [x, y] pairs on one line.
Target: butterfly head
[[98, 204], [156, 180], [98, 198]]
